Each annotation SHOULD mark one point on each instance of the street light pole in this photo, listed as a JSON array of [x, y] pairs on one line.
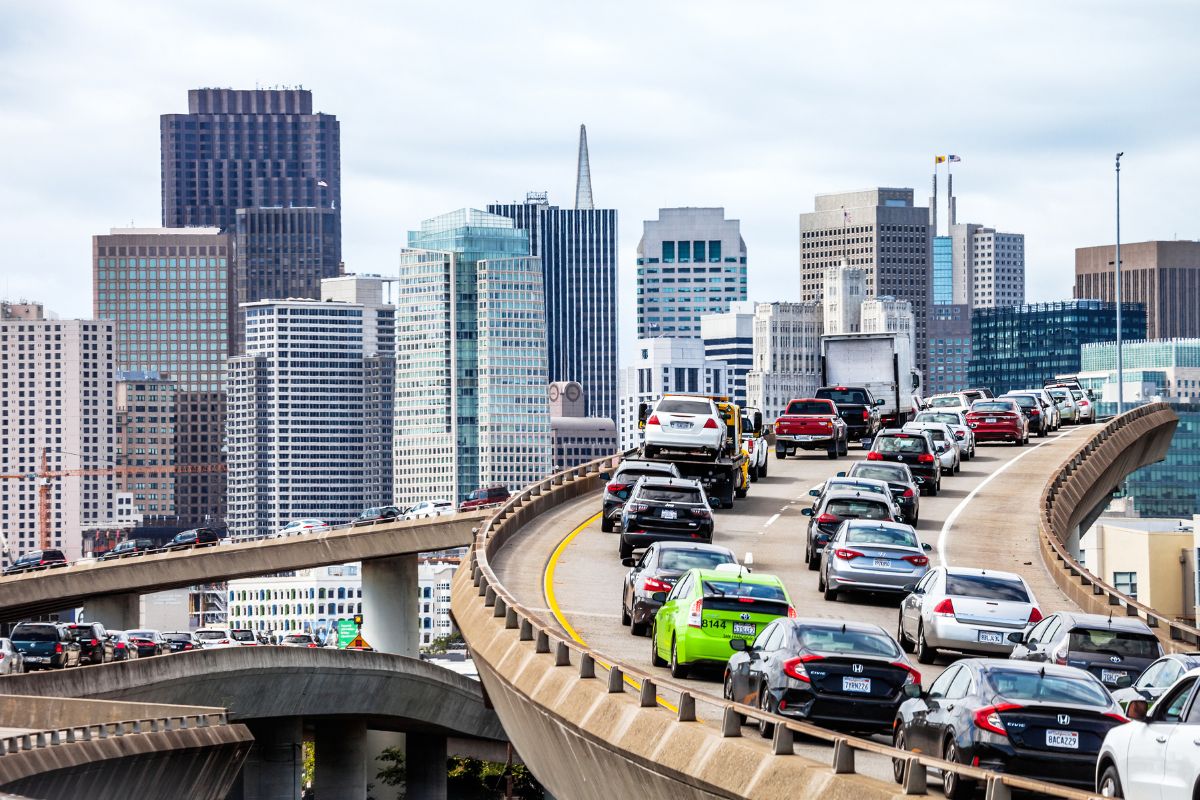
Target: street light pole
[[1120, 364]]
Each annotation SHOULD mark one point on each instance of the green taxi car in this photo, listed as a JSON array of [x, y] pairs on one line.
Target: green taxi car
[[709, 607]]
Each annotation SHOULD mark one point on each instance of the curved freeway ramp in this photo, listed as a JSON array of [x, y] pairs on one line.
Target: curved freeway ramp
[[577, 694]]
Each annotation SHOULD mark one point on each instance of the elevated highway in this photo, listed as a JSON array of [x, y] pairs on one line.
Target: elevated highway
[[540, 611]]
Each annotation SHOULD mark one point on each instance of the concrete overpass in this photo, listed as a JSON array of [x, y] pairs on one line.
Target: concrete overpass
[[594, 723], [278, 691]]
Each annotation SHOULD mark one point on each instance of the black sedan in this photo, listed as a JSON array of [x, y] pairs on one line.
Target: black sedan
[[1040, 721], [656, 571], [906, 488], [148, 643], [664, 509], [846, 675]]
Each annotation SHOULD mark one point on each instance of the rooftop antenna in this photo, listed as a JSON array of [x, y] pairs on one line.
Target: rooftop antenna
[[583, 177]]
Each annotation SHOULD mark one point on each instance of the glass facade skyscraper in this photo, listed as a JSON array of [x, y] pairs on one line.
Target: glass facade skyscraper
[[943, 270]]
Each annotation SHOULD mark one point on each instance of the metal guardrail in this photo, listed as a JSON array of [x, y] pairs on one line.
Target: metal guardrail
[[105, 730], [548, 640], [1053, 539]]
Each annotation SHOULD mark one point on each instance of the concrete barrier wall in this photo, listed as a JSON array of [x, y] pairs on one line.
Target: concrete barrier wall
[[45, 713]]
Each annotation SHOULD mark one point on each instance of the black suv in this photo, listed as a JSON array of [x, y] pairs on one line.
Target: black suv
[[1114, 649], [36, 559], [130, 547], [664, 509], [914, 448], [94, 645], [376, 513], [620, 484], [196, 537], [45, 645]]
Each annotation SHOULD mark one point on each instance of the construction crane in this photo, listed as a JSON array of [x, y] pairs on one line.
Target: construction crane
[[45, 475]]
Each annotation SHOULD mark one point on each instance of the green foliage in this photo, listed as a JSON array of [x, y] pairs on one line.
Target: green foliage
[[472, 779], [443, 643], [309, 752], [394, 773]]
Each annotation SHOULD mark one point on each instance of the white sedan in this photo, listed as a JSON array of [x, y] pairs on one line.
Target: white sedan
[[957, 420], [302, 526], [1157, 755], [431, 508]]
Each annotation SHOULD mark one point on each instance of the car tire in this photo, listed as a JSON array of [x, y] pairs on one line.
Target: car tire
[[780, 453], [765, 729], [832, 453], [1109, 784], [624, 550], [678, 671], [754, 474], [740, 492], [828, 592], [762, 471], [925, 653], [1043, 432], [937, 487], [626, 618], [1019, 442], [655, 658], [814, 561], [954, 786], [900, 742], [637, 628], [901, 637], [845, 451], [727, 693], [606, 525]]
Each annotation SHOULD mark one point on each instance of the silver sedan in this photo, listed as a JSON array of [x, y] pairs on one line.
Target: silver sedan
[[957, 421], [872, 556], [944, 443]]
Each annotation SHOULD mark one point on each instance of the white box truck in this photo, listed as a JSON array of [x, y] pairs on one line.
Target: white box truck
[[882, 363]]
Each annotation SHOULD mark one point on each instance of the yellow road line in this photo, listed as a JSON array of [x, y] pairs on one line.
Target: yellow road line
[[552, 600]]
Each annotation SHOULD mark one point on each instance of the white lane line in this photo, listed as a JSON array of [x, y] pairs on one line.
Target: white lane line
[[944, 535], [772, 519]]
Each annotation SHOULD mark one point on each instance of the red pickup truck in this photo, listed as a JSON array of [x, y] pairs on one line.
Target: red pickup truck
[[811, 424]]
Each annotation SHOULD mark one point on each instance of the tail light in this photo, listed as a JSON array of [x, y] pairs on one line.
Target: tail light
[[988, 717], [653, 420], [710, 424], [637, 508], [1060, 655], [1035, 616], [655, 585], [828, 519], [702, 513], [119, 646], [613, 488], [791, 612], [223, 641], [925, 458], [695, 615], [913, 675], [866, 415], [312, 644], [920, 561], [944, 608], [909, 493], [794, 667], [1083, 402], [188, 646], [873, 456], [1033, 412], [847, 555], [58, 648], [824, 423], [95, 642], [1120, 719]]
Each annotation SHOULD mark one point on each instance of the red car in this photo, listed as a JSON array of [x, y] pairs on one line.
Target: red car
[[811, 424], [998, 421], [487, 496]]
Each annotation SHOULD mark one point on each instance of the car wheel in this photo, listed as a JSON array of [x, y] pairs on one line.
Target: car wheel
[[762, 471], [626, 619], [845, 451], [828, 592], [765, 729], [1019, 442], [637, 628], [655, 658], [900, 742], [953, 786], [727, 693], [925, 653], [740, 492], [916, 517], [606, 525], [935, 488], [1109, 784], [905, 643], [957, 467], [832, 452], [780, 453], [678, 670], [624, 550], [1043, 432], [814, 561]]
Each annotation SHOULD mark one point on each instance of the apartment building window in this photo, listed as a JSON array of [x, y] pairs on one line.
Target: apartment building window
[[1126, 583]]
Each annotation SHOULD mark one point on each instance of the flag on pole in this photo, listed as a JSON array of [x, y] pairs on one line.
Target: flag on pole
[[940, 160], [953, 158]]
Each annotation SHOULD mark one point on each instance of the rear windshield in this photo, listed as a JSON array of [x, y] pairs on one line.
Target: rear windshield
[[141, 634], [1021, 685], [759, 591], [809, 407], [1078, 395], [982, 405], [881, 473], [302, 639], [40, 634], [901, 444], [947, 419], [885, 536], [845, 484], [1114, 643], [844, 396], [1025, 401], [986, 587], [856, 643], [638, 472], [685, 407], [1059, 394], [945, 402], [858, 508], [211, 635], [177, 637], [671, 495], [938, 434], [683, 560], [243, 636]]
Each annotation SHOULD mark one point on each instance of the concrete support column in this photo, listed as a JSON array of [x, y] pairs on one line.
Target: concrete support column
[[272, 770], [390, 605], [425, 766], [118, 612], [340, 769]]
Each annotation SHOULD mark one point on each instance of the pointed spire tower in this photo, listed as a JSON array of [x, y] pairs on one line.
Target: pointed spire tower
[[583, 182]]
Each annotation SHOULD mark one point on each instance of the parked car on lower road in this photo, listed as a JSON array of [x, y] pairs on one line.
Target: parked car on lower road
[[215, 637], [12, 662], [123, 647], [298, 639], [181, 641], [94, 644], [657, 571], [148, 642], [130, 547], [45, 645]]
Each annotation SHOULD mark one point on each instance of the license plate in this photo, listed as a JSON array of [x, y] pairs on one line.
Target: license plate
[[1112, 675], [990, 420], [856, 685], [669, 513], [991, 637], [678, 424], [37, 659], [882, 562], [743, 629], [1067, 739]]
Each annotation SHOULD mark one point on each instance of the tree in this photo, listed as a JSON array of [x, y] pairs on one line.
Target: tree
[[451, 641], [395, 773]]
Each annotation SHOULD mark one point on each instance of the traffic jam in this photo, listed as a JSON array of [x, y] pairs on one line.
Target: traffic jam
[[1083, 700]]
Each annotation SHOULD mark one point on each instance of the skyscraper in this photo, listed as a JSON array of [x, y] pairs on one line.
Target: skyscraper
[[1165, 276], [578, 250], [168, 290], [879, 230], [470, 359], [729, 337], [787, 355], [690, 261]]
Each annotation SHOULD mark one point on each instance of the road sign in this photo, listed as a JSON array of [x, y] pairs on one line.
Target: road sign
[[358, 643], [347, 631]]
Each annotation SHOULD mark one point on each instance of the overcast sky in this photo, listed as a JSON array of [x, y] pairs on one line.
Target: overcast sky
[[754, 106]]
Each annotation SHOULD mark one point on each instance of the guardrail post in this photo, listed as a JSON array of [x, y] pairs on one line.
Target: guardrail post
[[501, 607], [12, 745], [616, 680], [70, 735], [648, 697], [119, 729], [587, 666], [489, 597], [843, 757], [55, 737], [526, 631], [26, 742], [477, 575], [914, 777], [41, 739], [510, 619], [102, 731], [997, 789], [731, 724], [543, 643], [687, 707], [85, 733], [781, 743], [562, 655], [483, 585]]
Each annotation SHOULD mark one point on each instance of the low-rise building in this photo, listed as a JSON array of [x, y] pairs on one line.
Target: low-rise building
[[308, 600], [787, 355], [575, 438], [729, 337], [1152, 560]]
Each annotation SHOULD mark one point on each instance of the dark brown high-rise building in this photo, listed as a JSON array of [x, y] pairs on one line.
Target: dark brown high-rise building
[[1163, 276]]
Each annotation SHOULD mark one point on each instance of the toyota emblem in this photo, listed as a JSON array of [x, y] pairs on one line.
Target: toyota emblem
[[857, 668], [1115, 659], [1064, 719], [745, 615]]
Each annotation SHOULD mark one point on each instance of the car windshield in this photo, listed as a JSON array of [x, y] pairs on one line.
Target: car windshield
[[211, 635], [1078, 395], [809, 407], [683, 560], [881, 473], [836, 641], [758, 591], [1060, 394], [945, 402], [991, 406], [858, 508], [243, 636], [1114, 643], [676, 406], [886, 536], [986, 587], [945, 419], [302, 638], [672, 494], [46, 634], [1023, 685], [901, 444], [856, 397]]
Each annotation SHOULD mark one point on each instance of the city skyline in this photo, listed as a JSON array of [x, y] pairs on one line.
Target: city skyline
[[1051, 181]]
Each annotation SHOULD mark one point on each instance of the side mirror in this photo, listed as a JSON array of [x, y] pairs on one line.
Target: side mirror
[[659, 597], [841, 474], [1124, 682], [917, 479], [913, 691], [880, 401], [606, 476], [643, 412], [1017, 637], [941, 448], [758, 422], [629, 562], [808, 512], [909, 588], [927, 547], [738, 645], [814, 492], [1136, 710]]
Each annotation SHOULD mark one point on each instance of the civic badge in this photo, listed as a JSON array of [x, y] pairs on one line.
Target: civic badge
[[856, 668], [745, 616], [1064, 719]]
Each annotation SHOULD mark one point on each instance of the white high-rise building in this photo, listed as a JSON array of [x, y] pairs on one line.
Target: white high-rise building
[[306, 600], [664, 366], [787, 355], [729, 337], [297, 423], [56, 403], [845, 290], [998, 271], [887, 315]]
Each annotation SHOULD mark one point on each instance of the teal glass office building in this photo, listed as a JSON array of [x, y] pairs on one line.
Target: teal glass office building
[[943, 270]]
